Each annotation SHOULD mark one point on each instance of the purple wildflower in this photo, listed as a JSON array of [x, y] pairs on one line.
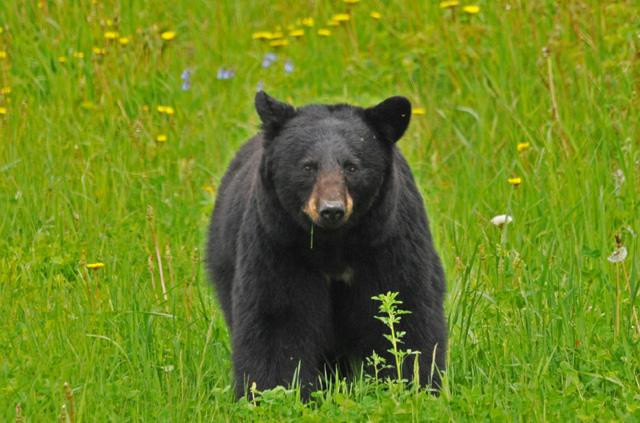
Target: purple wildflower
[[225, 73], [288, 66], [186, 79], [268, 59]]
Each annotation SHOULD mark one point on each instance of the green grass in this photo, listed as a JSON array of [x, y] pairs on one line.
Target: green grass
[[541, 324]]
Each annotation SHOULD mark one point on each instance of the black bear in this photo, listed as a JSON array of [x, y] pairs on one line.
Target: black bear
[[315, 215]]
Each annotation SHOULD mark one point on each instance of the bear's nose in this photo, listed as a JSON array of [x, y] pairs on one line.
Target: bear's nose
[[331, 211]]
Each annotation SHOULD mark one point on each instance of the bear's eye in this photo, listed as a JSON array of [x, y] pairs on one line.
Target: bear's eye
[[308, 167], [350, 167]]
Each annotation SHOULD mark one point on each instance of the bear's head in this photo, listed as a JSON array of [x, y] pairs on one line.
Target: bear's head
[[327, 163]]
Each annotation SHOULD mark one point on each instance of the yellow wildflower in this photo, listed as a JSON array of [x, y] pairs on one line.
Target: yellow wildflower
[[98, 265], [307, 22], [166, 109], [277, 34], [209, 188], [297, 33], [341, 17], [168, 35], [3, 54], [109, 22], [124, 41], [375, 15], [5, 90], [161, 138], [324, 32], [262, 35], [62, 59], [331, 22], [279, 43], [351, 1], [111, 35], [471, 9], [522, 146], [514, 181], [418, 111], [78, 54], [3, 110], [448, 4], [99, 51]]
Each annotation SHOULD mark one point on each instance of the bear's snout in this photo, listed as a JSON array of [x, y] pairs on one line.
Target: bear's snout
[[329, 205], [331, 212]]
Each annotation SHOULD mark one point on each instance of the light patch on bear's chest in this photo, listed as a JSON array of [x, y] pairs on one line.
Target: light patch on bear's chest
[[346, 276]]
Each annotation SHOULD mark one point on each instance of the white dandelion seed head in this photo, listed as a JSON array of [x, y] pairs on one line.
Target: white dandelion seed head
[[501, 220], [619, 255]]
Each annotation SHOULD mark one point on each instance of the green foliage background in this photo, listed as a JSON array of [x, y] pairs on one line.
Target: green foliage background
[[542, 325]]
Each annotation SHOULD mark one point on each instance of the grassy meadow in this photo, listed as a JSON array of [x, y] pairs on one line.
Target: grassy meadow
[[118, 118]]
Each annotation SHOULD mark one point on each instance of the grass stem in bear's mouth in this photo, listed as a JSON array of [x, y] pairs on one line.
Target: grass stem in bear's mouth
[[311, 238]]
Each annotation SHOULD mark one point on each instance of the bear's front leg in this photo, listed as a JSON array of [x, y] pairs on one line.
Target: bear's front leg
[[281, 325]]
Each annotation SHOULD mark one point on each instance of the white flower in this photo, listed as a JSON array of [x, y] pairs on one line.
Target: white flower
[[618, 255], [501, 220], [618, 180]]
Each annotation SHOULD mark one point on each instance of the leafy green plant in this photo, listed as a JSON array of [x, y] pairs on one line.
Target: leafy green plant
[[390, 315]]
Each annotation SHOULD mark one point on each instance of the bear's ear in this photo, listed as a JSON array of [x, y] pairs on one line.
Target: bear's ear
[[390, 118], [272, 112]]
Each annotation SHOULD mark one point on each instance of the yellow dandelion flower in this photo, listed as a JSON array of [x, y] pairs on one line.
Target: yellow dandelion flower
[[448, 4], [111, 35], [209, 188], [308, 22], [277, 34], [98, 265], [168, 35], [375, 15], [5, 90], [351, 1], [166, 110], [3, 111], [514, 181], [78, 55], [161, 138], [100, 51], [124, 41], [471, 9], [62, 59], [324, 32], [522, 146], [341, 17], [262, 35], [297, 33], [418, 111], [279, 43], [3, 54]]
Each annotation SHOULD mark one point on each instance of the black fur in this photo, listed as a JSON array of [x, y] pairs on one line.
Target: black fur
[[292, 300]]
